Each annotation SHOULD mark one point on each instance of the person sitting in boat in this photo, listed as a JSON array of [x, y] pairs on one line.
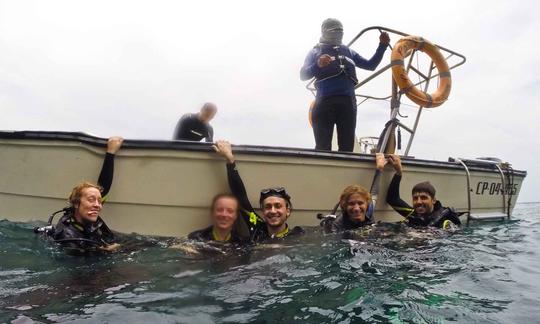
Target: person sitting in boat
[[275, 204], [195, 127], [356, 204], [224, 210], [426, 209], [81, 230], [333, 65]]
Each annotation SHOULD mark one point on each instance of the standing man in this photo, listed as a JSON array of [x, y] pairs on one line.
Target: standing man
[[426, 209], [195, 127], [333, 65]]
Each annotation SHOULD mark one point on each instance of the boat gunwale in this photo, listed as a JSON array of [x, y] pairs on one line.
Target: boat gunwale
[[239, 149]]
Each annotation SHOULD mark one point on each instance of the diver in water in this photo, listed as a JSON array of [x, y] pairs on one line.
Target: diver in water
[[426, 210], [275, 204], [356, 205], [220, 238], [224, 213], [81, 230]]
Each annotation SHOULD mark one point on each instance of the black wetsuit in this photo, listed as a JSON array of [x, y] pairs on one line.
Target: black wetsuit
[[190, 128], [207, 234], [78, 237], [81, 238], [440, 217], [251, 225], [342, 222]]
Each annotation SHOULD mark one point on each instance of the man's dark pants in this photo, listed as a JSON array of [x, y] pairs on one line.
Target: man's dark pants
[[338, 110]]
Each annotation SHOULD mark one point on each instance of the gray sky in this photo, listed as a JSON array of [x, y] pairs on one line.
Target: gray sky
[[133, 67]]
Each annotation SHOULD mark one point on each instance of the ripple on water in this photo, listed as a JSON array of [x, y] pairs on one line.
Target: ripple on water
[[484, 273]]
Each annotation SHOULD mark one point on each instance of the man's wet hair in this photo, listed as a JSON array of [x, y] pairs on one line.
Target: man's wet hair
[[426, 187]]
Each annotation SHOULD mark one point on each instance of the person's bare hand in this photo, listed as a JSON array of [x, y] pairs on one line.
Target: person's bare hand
[[395, 160], [324, 60], [114, 143], [224, 149], [110, 248], [380, 161], [384, 38]]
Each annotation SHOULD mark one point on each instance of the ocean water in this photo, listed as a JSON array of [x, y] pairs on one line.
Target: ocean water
[[485, 273]]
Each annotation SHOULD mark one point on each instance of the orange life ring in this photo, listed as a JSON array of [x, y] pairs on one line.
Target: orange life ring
[[404, 48]]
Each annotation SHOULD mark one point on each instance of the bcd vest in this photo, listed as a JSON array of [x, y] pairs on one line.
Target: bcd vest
[[342, 62]]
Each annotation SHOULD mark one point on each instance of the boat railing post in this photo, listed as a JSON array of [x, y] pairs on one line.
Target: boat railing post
[[495, 165], [468, 173], [394, 106], [420, 108], [503, 184]]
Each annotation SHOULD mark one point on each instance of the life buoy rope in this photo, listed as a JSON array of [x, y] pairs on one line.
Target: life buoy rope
[[403, 48]]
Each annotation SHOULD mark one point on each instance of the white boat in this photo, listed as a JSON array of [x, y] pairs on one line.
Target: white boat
[[165, 187]]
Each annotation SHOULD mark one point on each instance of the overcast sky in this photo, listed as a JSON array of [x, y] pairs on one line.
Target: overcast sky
[[132, 68]]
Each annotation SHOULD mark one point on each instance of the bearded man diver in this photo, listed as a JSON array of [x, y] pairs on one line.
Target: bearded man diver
[[81, 230], [426, 209]]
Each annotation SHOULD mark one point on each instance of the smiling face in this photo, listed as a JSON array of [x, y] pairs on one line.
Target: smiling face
[[356, 207], [354, 202], [89, 206], [275, 211], [423, 203], [224, 213]]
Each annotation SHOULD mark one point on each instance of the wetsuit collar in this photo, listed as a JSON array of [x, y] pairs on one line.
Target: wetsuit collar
[[76, 224], [88, 228], [282, 233], [216, 237]]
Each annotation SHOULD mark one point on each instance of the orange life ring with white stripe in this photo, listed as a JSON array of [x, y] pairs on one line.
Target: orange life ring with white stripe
[[404, 48]]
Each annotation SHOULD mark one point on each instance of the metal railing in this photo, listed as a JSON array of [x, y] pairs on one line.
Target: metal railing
[[506, 210]]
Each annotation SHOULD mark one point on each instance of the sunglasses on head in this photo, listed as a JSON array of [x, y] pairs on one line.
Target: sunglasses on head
[[275, 191]]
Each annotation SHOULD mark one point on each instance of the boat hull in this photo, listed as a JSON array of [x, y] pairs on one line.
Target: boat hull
[[165, 187]]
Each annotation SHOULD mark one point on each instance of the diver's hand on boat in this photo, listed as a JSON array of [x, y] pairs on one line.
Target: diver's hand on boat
[[384, 38], [110, 248], [224, 149], [395, 160], [380, 161], [114, 143], [324, 60]]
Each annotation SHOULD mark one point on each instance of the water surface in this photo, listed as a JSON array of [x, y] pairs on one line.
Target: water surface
[[486, 273]]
